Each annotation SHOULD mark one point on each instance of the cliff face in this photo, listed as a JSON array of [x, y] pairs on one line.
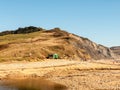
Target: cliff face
[[116, 50], [90, 50], [44, 43]]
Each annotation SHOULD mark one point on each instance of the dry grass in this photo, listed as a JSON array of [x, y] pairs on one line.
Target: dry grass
[[17, 38], [23, 47], [38, 45]]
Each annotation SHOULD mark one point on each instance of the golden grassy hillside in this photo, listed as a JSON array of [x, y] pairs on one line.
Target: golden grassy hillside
[[43, 44]]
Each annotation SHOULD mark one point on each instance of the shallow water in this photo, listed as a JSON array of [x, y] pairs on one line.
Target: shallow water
[[7, 88], [30, 84]]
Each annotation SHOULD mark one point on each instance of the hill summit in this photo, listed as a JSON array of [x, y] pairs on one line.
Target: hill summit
[[32, 43]]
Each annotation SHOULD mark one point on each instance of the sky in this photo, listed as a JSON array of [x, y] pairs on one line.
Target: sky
[[98, 20]]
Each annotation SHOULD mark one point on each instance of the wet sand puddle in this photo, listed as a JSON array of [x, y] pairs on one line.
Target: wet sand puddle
[[30, 84]]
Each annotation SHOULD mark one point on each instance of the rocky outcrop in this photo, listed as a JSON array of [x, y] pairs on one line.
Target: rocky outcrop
[[116, 50], [91, 49]]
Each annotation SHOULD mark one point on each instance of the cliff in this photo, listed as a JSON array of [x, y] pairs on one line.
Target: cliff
[[42, 44]]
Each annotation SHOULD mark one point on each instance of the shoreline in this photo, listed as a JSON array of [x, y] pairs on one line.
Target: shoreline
[[62, 71]]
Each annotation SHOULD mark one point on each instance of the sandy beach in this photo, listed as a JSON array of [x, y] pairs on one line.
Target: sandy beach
[[76, 75]]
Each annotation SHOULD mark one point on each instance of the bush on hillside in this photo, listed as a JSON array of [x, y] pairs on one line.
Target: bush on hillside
[[25, 30]]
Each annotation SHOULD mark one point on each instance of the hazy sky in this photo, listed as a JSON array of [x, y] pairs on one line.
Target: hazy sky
[[98, 20]]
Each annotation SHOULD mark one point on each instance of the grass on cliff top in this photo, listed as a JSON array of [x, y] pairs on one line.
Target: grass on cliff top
[[17, 38]]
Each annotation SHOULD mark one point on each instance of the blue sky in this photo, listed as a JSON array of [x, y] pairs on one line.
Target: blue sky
[[98, 20]]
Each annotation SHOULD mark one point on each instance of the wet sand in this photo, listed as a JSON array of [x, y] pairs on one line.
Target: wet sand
[[76, 75]]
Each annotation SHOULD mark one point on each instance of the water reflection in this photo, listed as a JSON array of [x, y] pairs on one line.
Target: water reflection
[[7, 88], [31, 84]]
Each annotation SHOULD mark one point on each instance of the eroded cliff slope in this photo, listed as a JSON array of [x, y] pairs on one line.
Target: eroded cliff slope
[[42, 44]]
